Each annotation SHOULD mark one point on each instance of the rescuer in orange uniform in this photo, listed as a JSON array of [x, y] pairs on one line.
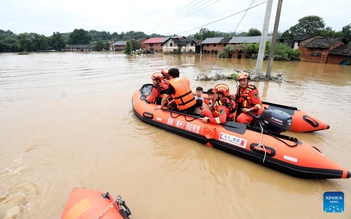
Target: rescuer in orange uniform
[[179, 89], [224, 106], [247, 99], [165, 75], [158, 88]]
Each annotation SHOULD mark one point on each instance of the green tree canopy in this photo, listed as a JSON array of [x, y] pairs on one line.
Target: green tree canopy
[[254, 32], [131, 45], [79, 36], [57, 41], [309, 25], [347, 32], [204, 33]]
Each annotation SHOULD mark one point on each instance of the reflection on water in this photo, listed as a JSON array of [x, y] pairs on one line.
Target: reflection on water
[[66, 121]]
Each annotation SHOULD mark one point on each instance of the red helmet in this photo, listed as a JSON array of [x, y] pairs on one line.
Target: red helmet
[[165, 72], [243, 75], [157, 75], [221, 88]]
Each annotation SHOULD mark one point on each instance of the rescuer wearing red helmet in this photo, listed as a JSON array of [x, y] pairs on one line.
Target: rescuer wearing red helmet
[[179, 89], [247, 99], [224, 106], [158, 88]]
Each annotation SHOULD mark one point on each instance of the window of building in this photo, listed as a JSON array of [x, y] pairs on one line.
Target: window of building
[[316, 54]]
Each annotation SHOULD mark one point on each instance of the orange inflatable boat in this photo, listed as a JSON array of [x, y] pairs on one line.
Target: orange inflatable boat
[[263, 145], [84, 204], [301, 120]]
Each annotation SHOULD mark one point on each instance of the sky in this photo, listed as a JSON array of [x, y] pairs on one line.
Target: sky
[[181, 17]]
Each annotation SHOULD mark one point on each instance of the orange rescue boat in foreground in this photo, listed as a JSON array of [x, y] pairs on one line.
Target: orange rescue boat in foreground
[[263, 145], [84, 204]]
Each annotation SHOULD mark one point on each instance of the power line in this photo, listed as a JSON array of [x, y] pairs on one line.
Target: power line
[[224, 17], [175, 17], [187, 15], [243, 17], [172, 15]]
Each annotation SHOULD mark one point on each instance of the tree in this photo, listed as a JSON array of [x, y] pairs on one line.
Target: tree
[[131, 46], [100, 46], [347, 32], [79, 37], [308, 25], [254, 32], [39, 42], [57, 41], [24, 41], [204, 33]]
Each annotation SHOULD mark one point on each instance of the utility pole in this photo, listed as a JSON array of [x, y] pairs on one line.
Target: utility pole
[[263, 38], [274, 39]]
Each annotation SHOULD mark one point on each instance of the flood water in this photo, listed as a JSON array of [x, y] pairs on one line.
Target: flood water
[[66, 121]]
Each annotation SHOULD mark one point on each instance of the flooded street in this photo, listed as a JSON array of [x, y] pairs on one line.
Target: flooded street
[[66, 121]]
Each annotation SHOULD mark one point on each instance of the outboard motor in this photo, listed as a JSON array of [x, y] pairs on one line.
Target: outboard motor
[[275, 120]]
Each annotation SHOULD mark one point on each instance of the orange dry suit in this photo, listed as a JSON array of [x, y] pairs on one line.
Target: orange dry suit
[[224, 111], [183, 97], [157, 92], [248, 97]]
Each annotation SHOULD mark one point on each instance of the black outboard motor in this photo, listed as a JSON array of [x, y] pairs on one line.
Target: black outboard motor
[[275, 120]]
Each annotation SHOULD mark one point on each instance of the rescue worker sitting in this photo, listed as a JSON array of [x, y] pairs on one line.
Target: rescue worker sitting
[[158, 89], [224, 106], [179, 89], [247, 99]]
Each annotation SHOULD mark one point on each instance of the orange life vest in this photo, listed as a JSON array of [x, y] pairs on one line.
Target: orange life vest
[[230, 108], [243, 99], [183, 97]]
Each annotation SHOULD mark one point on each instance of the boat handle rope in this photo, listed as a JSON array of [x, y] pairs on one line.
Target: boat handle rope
[[124, 210], [261, 145], [290, 145], [193, 117]]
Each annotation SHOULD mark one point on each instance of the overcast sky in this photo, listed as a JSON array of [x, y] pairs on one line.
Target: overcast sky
[[181, 17]]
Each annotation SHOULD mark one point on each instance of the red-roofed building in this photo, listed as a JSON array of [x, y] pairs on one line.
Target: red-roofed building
[[155, 44]]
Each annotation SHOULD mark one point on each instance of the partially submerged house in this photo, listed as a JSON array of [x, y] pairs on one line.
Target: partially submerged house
[[155, 44], [214, 45], [79, 48], [240, 41]]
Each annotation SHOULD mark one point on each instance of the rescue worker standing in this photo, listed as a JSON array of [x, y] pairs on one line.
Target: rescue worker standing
[[179, 89], [158, 89], [247, 99], [224, 106]]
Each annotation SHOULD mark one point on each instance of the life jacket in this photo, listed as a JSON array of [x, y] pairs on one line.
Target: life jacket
[[183, 97], [243, 99], [161, 87], [230, 106]]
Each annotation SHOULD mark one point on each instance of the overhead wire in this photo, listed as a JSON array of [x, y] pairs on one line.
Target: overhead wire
[[249, 8], [191, 12], [175, 14], [188, 10]]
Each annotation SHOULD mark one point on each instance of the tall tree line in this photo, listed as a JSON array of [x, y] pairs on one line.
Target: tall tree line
[[10, 42]]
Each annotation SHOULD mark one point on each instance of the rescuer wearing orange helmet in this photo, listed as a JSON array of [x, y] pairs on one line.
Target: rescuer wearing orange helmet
[[158, 88], [165, 75], [224, 106], [179, 89], [247, 99]]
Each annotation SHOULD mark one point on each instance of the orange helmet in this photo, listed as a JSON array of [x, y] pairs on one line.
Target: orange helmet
[[243, 75], [221, 88], [157, 75], [165, 72]]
